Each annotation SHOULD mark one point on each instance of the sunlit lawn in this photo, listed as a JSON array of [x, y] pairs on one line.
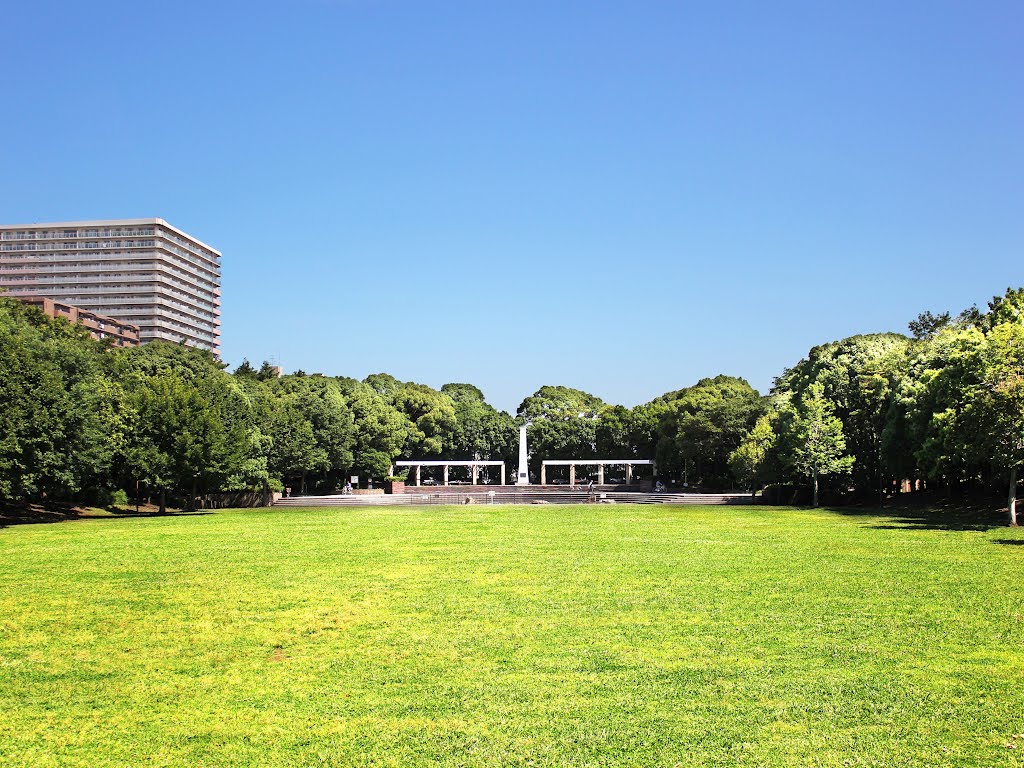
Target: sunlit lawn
[[540, 635]]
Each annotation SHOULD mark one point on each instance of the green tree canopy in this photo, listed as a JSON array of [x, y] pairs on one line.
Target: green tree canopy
[[998, 407], [431, 416], [857, 376], [817, 442], [60, 415], [321, 402], [703, 424], [563, 423], [380, 429], [753, 463], [480, 430]]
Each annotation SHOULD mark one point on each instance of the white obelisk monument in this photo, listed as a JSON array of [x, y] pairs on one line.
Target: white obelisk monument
[[523, 478]]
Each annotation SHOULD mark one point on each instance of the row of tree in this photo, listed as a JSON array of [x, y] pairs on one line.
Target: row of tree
[[864, 418], [80, 419], [943, 407]]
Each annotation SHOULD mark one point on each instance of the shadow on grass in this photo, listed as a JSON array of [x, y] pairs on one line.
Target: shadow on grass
[[931, 515], [146, 515], [58, 513], [1011, 542]]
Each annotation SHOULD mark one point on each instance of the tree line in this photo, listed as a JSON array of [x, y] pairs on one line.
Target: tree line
[[942, 407]]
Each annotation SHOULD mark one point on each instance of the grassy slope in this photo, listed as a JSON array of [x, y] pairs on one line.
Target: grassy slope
[[510, 636]]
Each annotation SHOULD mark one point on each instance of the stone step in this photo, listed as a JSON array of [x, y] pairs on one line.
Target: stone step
[[512, 497]]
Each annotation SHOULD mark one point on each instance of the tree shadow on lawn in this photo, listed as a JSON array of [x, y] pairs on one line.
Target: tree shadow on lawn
[[35, 514], [932, 516], [147, 515]]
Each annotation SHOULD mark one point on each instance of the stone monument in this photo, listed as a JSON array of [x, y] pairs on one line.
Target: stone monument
[[523, 478]]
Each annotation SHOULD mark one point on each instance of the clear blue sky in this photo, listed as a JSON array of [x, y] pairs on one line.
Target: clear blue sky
[[620, 197]]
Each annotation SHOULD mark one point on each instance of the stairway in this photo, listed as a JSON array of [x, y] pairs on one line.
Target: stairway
[[694, 498], [512, 496]]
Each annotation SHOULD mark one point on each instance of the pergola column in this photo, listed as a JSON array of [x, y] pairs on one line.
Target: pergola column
[[476, 474], [572, 474], [418, 474], [446, 474], [502, 473], [629, 474], [543, 474], [600, 474]]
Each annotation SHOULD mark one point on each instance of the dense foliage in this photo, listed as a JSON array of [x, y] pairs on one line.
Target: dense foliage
[[863, 416], [943, 409], [80, 419]]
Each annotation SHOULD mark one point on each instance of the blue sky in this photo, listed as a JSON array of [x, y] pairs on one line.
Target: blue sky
[[619, 197]]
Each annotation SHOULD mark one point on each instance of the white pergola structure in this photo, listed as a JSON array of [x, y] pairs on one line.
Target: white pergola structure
[[600, 463], [473, 465]]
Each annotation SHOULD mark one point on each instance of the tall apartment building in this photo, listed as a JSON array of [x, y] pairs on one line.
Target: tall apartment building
[[142, 271]]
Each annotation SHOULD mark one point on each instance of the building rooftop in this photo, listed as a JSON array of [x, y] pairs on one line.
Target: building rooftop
[[109, 223]]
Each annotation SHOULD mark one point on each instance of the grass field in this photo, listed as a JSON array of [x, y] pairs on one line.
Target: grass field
[[528, 636]]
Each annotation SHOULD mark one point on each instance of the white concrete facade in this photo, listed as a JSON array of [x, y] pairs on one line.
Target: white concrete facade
[[627, 464], [142, 271], [474, 466]]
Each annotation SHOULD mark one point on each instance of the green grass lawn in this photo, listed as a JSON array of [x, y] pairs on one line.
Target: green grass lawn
[[528, 636]]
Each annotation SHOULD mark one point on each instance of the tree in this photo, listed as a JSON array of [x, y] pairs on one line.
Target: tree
[[179, 441], [1008, 308], [245, 370], [751, 462], [818, 446], [612, 435], [563, 423], [268, 372], [383, 384], [295, 452], [929, 430], [463, 393], [193, 426], [858, 375], [321, 402], [707, 422], [1000, 404], [59, 412], [253, 471], [431, 416], [380, 430], [480, 430], [927, 325], [642, 430]]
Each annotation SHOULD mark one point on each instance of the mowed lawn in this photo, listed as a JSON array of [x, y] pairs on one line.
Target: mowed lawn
[[526, 636]]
